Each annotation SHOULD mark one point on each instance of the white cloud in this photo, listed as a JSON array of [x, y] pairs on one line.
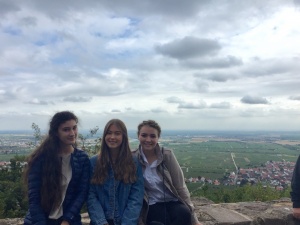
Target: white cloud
[[77, 99], [203, 65]]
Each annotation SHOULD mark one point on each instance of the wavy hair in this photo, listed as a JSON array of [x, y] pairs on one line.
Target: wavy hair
[[150, 123], [48, 152], [124, 167]]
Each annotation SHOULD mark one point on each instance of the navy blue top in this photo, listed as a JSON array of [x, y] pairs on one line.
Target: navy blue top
[[76, 193], [295, 193]]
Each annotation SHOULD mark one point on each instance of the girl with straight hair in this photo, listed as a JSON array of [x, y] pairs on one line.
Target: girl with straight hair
[[116, 190]]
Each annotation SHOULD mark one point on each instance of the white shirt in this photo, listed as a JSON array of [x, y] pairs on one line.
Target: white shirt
[[66, 171], [154, 186]]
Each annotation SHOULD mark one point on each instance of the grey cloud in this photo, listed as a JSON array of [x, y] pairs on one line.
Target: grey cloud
[[213, 63], [270, 67], [8, 7], [295, 98], [201, 86], [173, 99], [173, 9], [221, 77], [28, 21], [281, 85], [189, 47], [197, 85], [115, 110], [7, 95], [217, 76], [254, 100], [169, 8], [56, 9], [157, 110], [190, 105], [221, 105], [77, 99]]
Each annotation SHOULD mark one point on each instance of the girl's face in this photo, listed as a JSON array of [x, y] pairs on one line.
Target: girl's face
[[67, 133], [148, 137], [114, 137]]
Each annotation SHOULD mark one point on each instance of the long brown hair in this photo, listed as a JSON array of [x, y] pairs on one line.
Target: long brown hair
[[48, 151], [124, 167]]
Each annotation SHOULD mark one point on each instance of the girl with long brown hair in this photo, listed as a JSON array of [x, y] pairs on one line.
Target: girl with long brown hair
[[57, 175], [116, 190]]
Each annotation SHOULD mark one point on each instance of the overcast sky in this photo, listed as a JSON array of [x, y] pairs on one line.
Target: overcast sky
[[196, 64]]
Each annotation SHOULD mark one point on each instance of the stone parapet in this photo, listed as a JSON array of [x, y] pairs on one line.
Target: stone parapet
[[277, 212]]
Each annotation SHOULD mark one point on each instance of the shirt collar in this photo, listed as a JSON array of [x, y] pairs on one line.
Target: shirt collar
[[158, 152]]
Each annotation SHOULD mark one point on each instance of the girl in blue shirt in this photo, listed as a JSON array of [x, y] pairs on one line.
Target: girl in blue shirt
[[116, 190]]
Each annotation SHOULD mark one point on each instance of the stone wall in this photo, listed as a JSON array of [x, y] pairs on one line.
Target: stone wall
[[246, 213], [243, 213]]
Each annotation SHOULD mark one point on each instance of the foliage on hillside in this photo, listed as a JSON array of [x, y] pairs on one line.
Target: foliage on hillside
[[13, 202], [246, 193]]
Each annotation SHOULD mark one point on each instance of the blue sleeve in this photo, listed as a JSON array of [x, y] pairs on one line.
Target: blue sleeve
[[135, 200], [83, 187], [94, 206], [295, 193], [37, 214]]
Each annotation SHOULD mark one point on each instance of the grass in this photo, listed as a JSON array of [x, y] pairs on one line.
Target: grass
[[213, 158]]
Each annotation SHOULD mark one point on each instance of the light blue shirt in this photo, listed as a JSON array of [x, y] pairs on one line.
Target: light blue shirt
[[154, 186]]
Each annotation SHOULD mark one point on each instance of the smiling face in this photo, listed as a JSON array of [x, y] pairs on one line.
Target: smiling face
[[67, 133], [148, 137], [114, 137]]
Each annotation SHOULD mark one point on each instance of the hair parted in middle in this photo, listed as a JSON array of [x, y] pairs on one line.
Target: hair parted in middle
[[124, 167]]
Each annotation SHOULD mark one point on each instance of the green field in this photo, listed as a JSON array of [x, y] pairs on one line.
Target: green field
[[213, 158], [6, 157]]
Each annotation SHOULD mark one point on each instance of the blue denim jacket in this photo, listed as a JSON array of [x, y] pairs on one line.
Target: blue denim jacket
[[116, 200]]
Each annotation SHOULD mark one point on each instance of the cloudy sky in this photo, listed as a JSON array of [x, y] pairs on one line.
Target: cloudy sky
[[206, 65]]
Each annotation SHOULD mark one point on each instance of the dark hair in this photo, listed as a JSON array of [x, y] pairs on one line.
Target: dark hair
[[150, 123], [124, 167], [57, 120], [48, 152]]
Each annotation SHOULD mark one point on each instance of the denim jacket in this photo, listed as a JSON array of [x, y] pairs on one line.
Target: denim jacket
[[115, 200]]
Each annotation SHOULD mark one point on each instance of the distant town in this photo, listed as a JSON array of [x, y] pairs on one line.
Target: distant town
[[274, 174]]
